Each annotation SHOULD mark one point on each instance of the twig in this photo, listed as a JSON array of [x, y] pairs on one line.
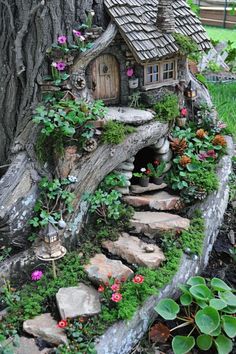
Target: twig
[[20, 68], [3, 166]]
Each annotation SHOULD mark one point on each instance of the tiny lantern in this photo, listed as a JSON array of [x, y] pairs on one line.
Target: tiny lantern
[[190, 92]]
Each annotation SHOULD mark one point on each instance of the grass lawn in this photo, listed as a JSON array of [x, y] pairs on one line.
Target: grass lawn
[[222, 34], [224, 99]]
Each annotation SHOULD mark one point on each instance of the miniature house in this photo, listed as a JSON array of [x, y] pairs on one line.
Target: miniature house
[[144, 42]]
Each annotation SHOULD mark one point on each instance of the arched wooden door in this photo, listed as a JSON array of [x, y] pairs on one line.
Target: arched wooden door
[[106, 79]]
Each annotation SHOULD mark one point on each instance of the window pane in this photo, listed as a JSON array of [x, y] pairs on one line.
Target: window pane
[[152, 73]]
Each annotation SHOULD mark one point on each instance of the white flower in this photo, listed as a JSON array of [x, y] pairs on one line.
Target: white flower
[[82, 38], [92, 12], [72, 179], [62, 224], [143, 169], [54, 64]]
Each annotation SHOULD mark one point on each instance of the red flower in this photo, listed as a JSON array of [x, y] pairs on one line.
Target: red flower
[[184, 112], [138, 279], [116, 297], [101, 289], [109, 275], [62, 324], [148, 171], [123, 279], [115, 287], [117, 281], [156, 162]]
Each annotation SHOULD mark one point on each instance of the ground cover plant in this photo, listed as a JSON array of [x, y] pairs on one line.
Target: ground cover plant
[[221, 34], [207, 309]]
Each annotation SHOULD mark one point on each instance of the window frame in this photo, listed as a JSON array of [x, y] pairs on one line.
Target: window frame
[[161, 81]]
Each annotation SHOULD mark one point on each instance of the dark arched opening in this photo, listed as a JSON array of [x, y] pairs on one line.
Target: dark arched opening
[[142, 158]]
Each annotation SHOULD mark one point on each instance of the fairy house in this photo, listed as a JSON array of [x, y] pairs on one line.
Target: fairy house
[[144, 44]]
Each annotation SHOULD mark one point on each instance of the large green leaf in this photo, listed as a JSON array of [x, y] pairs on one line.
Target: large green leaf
[[201, 292], [229, 325], [229, 309], [223, 344], [217, 304], [196, 281], [228, 297], [207, 319], [182, 345], [201, 303], [216, 332], [204, 341], [219, 285], [186, 299], [167, 308]]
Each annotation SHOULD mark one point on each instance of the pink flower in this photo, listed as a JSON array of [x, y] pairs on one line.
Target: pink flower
[[60, 66], [212, 153], [184, 112], [54, 64], [156, 162], [62, 39], [101, 289], [115, 287], [130, 72], [77, 33], [221, 125], [138, 279], [202, 156], [62, 324], [36, 275], [116, 297]]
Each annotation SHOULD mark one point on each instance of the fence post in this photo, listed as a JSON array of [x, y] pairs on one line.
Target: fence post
[[225, 13]]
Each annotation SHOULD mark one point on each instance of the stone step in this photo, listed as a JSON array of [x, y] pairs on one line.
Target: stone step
[[100, 267], [136, 189], [28, 346], [135, 251], [150, 223], [158, 201], [75, 301], [45, 327]]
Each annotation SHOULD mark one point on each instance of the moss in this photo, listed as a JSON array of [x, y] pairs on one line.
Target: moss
[[193, 237], [115, 132], [167, 109]]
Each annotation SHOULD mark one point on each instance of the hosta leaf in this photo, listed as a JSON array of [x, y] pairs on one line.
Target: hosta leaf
[[196, 281], [229, 325], [167, 308], [219, 284], [182, 345], [207, 319], [201, 292], [217, 304], [223, 344], [204, 341]]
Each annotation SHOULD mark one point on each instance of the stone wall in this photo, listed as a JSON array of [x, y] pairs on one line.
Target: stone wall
[[122, 336]]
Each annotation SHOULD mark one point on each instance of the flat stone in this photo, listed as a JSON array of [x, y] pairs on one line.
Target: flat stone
[[123, 190], [81, 300], [165, 148], [45, 327], [136, 189], [135, 251], [166, 157], [3, 314], [129, 115], [159, 144], [125, 166], [28, 346], [100, 266], [158, 201], [150, 223]]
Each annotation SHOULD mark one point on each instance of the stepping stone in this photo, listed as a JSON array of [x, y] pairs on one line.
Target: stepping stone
[[136, 189], [81, 300], [45, 327], [159, 201], [100, 266], [129, 115], [135, 251], [150, 223], [28, 346]]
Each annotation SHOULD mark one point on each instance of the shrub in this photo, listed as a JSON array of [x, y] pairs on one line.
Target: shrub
[[187, 46], [115, 132], [167, 109]]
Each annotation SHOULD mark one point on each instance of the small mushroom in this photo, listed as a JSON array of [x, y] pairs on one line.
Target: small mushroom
[[149, 249]]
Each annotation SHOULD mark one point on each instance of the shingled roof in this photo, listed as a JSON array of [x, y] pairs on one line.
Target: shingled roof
[[136, 20]]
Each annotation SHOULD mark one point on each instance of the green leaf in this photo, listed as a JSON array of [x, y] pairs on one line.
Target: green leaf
[[229, 325], [207, 319], [186, 299], [217, 304], [201, 292], [223, 344], [219, 284], [216, 332], [196, 281], [167, 308], [229, 309], [201, 303], [228, 297], [191, 167], [182, 345], [204, 341]]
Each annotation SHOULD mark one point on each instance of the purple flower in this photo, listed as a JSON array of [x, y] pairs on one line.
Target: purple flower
[[36, 275], [211, 153], [77, 33], [60, 66], [130, 72], [202, 156], [62, 39]]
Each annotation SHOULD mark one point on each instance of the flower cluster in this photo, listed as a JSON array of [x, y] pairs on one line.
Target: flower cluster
[[219, 140], [183, 112], [130, 72], [144, 172], [203, 155], [72, 179], [201, 133], [36, 275]]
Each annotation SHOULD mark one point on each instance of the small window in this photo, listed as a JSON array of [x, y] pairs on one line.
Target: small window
[[168, 71], [152, 74]]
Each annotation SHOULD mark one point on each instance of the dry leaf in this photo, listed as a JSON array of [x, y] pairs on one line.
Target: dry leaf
[[159, 333]]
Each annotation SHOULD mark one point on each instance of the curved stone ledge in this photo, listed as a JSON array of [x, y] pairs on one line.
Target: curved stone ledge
[[122, 336]]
